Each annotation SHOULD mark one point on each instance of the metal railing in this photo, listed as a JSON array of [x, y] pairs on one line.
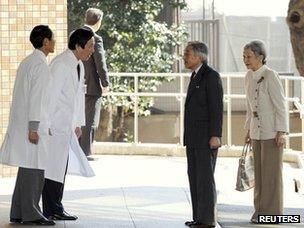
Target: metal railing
[[228, 97]]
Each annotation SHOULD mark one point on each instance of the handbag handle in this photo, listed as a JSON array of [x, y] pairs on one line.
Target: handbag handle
[[246, 149]]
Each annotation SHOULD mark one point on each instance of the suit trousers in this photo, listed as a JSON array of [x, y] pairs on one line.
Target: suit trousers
[[27, 193], [201, 166], [92, 113], [268, 189]]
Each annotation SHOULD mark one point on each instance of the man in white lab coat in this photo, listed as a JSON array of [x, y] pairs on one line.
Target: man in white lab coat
[[25, 143], [67, 116]]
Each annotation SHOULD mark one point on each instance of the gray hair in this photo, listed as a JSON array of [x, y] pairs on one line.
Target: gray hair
[[93, 15], [199, 49], [258, 48]]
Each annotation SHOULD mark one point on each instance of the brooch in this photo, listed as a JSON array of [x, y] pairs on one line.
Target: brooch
[[260, 80]]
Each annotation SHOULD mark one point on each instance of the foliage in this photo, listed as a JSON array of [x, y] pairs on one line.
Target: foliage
[[135, 42]]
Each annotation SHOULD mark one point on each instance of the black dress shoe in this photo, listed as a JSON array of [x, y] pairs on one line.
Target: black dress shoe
[[190, 223], [15, 220], [63, 216], [40, 222], [201, 225]]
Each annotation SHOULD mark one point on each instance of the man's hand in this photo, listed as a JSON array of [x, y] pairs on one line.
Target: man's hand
[[105, 90], [214, 142], [33, 137], [78, 132]]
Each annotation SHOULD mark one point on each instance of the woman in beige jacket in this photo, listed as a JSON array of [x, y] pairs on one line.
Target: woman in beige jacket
[[266, 122]]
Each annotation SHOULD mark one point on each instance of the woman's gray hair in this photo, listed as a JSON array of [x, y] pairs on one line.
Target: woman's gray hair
[[258, 48], [199, 49], [93, 15]]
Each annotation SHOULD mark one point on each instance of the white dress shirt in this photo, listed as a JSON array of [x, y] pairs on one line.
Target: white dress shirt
[[197, 69]]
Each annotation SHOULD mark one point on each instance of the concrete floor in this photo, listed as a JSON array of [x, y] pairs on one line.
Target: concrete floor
[[151, 192]]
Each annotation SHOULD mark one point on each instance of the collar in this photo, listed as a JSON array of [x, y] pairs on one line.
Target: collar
[[74, 61], [198, 68], [40, 54], [89, 27], [258, 73]]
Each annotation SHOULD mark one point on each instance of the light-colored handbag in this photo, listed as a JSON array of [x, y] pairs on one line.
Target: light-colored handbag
[[245, 174]]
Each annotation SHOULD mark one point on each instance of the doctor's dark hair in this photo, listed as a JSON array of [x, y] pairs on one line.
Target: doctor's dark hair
[[199, 49], [80, 37], [38, 34], [258, 48]]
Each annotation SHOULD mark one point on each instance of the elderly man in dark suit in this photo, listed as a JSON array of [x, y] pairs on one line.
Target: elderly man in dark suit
[[96, 79], [202, 133]]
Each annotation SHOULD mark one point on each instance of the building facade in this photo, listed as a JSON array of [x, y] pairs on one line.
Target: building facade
[[17, 18]]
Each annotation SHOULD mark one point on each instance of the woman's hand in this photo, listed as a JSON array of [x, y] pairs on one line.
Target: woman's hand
[[280, 138], [78, 132], [247, 138]]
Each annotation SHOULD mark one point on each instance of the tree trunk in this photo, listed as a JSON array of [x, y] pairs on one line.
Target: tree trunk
[[118, 131], [111, 126], [105, 129], [295, 21]]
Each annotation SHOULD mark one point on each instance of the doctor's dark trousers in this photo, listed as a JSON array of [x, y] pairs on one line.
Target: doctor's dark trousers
[[27, 193], [52, 196]]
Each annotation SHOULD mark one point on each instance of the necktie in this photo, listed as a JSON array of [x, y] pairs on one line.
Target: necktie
[[192, 75], [78, 71]]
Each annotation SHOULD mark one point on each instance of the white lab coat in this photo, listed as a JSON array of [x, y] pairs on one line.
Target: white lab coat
[[28, 104], [67, 112]]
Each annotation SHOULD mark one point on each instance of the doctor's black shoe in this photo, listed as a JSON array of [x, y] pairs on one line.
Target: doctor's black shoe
[[63, 216], [40, 222], [92, 159]]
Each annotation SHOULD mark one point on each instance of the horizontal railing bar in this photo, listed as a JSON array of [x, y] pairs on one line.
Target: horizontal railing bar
[[129, 74], [294, 135], [223, 75], [144, 94], [157, 94]]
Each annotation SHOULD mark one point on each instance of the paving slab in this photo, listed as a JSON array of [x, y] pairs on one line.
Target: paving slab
[[152, 192]]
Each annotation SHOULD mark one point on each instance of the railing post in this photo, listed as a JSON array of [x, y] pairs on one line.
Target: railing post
[[228, 111], [136, 108], [287, 106]]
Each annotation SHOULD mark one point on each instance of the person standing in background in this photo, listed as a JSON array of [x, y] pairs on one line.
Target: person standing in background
[[97, 82]]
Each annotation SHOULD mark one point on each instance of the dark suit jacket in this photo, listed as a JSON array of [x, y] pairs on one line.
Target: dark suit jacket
[[203, 108], [96, 72]]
